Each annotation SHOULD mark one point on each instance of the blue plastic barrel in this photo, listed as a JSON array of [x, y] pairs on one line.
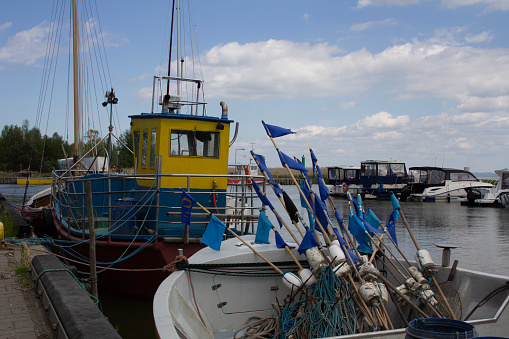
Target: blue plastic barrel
[[439, 328]]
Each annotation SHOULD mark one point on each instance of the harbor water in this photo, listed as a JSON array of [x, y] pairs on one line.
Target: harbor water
[[480, 234]]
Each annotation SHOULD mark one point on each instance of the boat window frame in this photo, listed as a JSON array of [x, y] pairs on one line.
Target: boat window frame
[[136, 142], [192, 146], [144, 145], [153, 141]]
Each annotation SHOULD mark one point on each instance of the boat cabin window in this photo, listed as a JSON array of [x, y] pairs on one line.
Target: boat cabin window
[[194, 143], [136, 139], [333, 174], [383, 170], [368, 169], [397, 170], [463, 176], [350, 174], [153, 148], [436, 177], [144, 149], [505, 181]]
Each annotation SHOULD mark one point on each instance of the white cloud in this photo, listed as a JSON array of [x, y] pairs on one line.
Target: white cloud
[[445, 140], [491, 4], [5, 25], [477, 79], [25, 47], [383, 120], [477, 38], [346, 105], [366, 3], [371, 24]]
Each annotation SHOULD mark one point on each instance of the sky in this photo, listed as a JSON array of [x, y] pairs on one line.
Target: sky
[[425, 82]]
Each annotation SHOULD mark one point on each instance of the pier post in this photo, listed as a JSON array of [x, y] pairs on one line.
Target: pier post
[[91, 234]]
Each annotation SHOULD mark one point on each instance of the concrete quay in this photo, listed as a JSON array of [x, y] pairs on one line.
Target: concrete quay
[[21, 313]]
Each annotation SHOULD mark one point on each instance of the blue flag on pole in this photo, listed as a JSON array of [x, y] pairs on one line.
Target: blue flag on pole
[[306, 192], [343, 243], [277, 190], [356, 228], [320, 214], [275, 131], [261, 164], [354, 203], [262, 197], [305, 173], [280, 243], [213, 235], [265, 201], [372, 219], [391, 227], [324, 191], [394, 202], [314, 160], [186, 206], [309, 241], [263, 229], [285, 159]]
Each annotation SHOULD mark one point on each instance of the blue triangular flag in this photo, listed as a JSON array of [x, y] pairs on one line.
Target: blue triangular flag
[[262, 197], [305, 173], [354, 203], [320, 213], [213, 235], [277, 190], [186, 206], [276, 131], [285, 159], [324, 191], [372, 219], [263, 229], [391, 227], [306, 192], [309, 241], [261, 164], [394, 202], [343, 243], [280, 243], [356, 228]]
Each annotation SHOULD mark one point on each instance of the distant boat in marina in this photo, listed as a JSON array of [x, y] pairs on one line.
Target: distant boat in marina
[[497, 196], [428, 183], [343, 179]]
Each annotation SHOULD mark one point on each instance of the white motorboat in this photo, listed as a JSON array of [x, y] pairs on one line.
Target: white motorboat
[[433, 183], [219, 294], [497, 196]]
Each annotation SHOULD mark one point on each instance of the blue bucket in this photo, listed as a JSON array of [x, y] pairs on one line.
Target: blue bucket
[[439, 328]]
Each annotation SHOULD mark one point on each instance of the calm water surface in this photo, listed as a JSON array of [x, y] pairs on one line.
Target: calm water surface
[[481, 234]]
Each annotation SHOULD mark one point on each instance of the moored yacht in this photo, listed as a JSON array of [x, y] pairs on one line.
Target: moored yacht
[[497, 196], [429, 183]]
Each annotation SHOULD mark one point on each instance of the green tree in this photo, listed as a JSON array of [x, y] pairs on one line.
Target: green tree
[[125, 156]]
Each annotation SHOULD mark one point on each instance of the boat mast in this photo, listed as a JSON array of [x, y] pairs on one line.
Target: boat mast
[[179, 68], [75, 50], [171, 42]]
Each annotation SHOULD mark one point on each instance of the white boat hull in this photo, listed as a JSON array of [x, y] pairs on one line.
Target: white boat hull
[[227, 303]]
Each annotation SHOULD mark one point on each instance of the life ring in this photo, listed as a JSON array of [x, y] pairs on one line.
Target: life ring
[[344, 187], [246, 170]]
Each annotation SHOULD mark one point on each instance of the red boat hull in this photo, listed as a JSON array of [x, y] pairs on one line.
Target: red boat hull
[[140, 274]]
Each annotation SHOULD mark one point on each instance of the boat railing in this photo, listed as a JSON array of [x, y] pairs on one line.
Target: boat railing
[[126, 205], [172, 103]]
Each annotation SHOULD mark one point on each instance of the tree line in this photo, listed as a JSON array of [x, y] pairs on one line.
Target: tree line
[[25, 148]]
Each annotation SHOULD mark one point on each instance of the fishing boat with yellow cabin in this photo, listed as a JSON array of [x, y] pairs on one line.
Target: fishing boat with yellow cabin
[[135, 218]]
